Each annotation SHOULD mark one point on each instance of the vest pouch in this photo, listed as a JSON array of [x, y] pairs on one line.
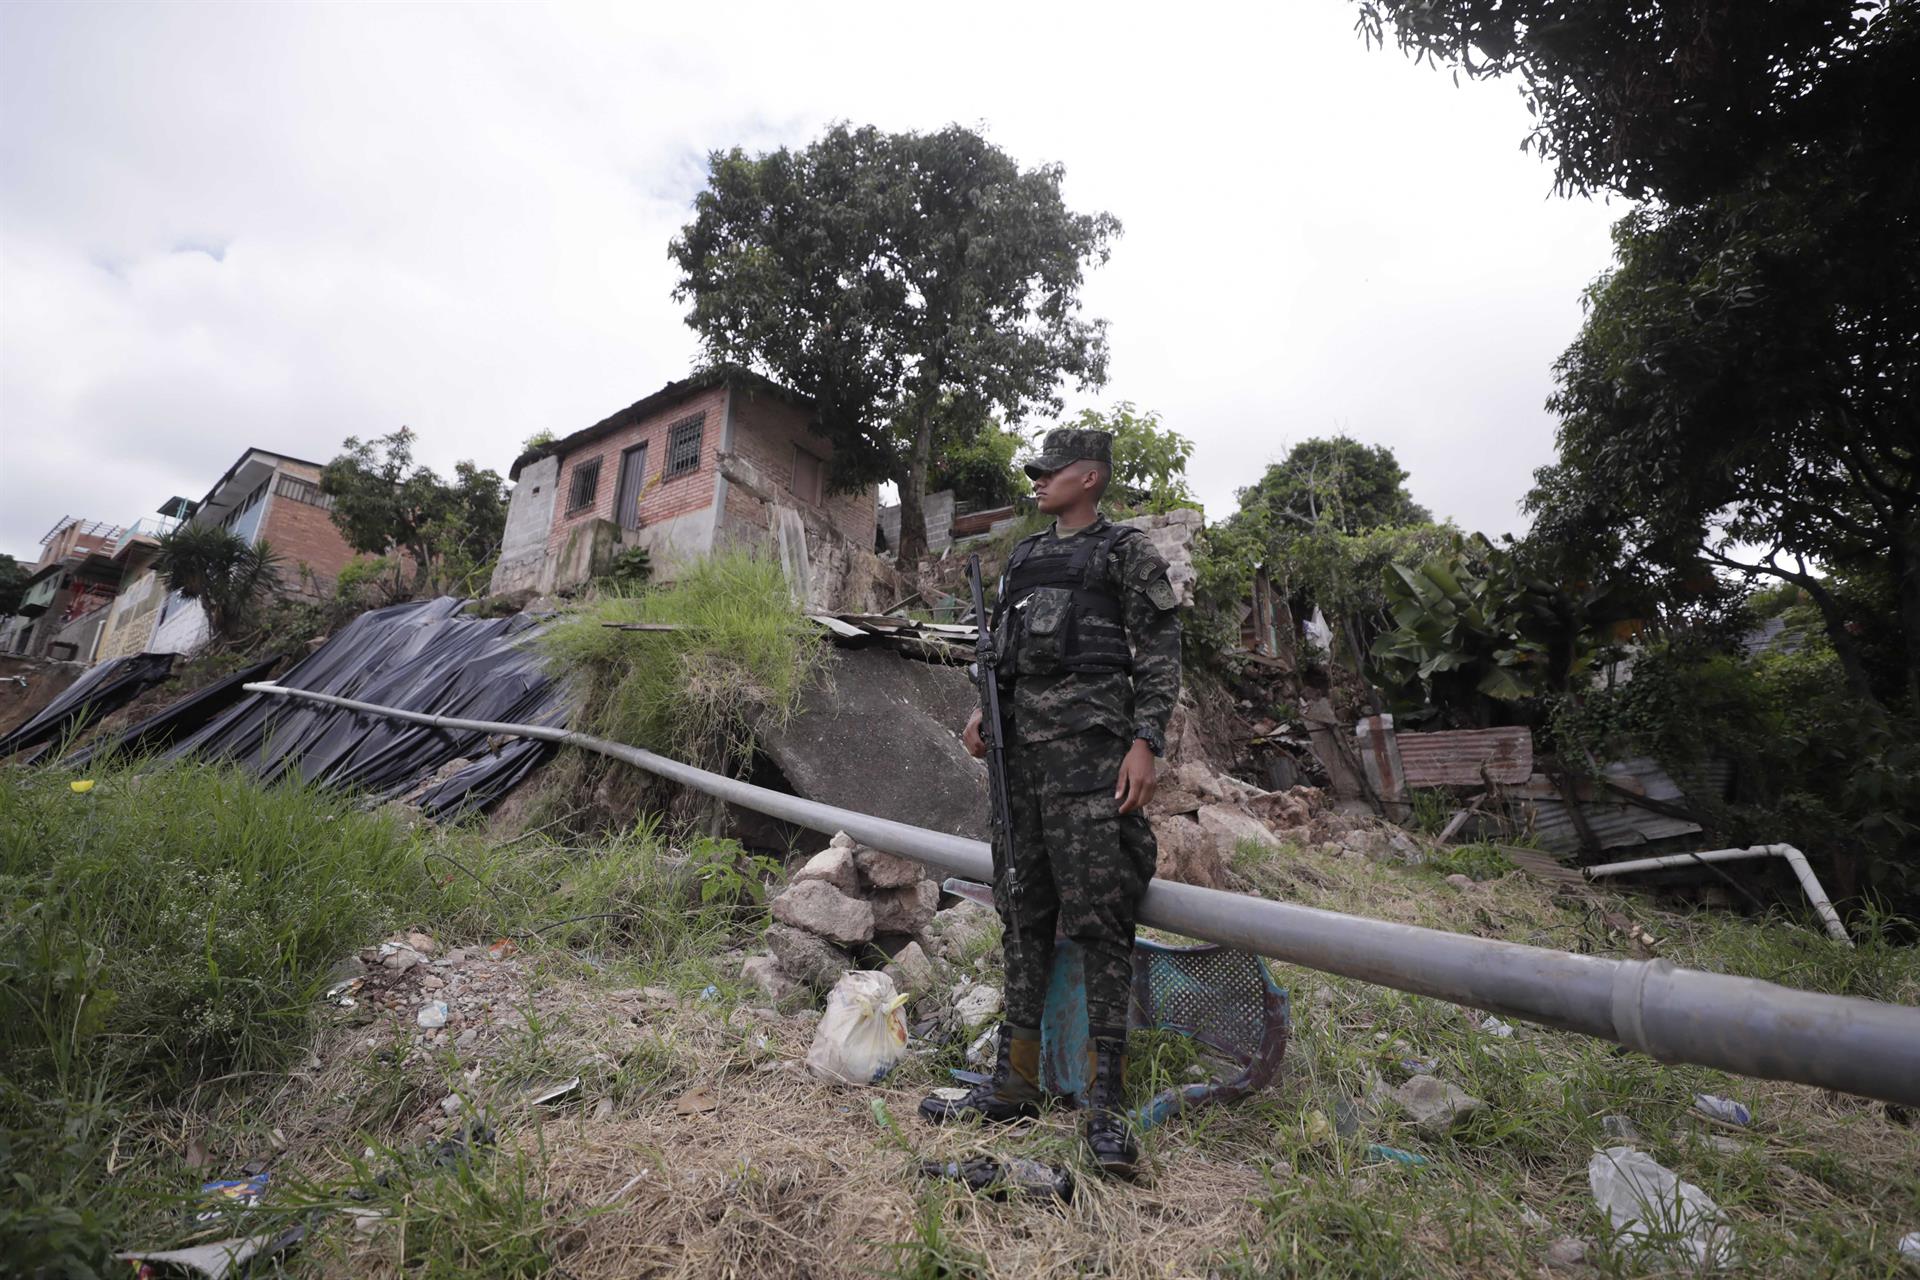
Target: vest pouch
[[1046, 618]]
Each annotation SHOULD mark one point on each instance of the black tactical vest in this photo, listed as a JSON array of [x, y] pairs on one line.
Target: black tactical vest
[[1058, 612]]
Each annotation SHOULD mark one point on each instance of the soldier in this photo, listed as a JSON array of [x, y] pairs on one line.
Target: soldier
[[1088, 643]]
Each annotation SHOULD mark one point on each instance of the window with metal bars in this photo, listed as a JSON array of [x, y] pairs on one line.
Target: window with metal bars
[[585, 484], [302, 491], [683, 446]]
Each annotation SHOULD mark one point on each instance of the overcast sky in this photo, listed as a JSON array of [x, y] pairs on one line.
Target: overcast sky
[[272, 225]]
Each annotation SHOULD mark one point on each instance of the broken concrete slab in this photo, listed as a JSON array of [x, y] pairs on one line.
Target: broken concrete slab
[[806, 958], [835, 866], [1188, 855], [819, 908], [1233, 824], [960, 927], [765, 974], [882, 736], [908, 909], [886, 870]]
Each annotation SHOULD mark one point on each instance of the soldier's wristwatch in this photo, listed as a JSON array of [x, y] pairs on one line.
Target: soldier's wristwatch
[[1151, 736]]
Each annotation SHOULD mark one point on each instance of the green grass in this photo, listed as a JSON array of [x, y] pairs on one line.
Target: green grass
[[740, 660]]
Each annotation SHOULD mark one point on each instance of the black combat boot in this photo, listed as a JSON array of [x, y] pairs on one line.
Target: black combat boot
[[1013, 1091], [1108, 1129]]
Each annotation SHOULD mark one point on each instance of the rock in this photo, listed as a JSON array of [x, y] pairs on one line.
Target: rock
[[957, 929], [402, 960], [1184, 788], [433, 1015], [1568, 1253], [911, 970], [908, 910], [835, 866], [456, 956], [466, 1038], [806, 958], [432, 982], [977, 1006], [1188, 855], [1285, 810], [420, 942], [819, 908], [1435, 1105], [841, 840], [1459, 881], [765, 974], [882, 870], [1232, 824]]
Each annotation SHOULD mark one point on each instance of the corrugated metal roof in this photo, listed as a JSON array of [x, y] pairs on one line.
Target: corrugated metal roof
[[1614, 825], [1455, 758]]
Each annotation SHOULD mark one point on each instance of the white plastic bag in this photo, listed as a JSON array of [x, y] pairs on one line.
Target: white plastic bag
[[863, 1032], [1649, 1205]]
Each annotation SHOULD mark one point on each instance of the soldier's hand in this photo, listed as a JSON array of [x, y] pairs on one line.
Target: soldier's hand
[[970, 737], [1134, 788]]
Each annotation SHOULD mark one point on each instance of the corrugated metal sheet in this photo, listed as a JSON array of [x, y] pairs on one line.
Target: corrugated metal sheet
[[1455, 758], [1614, 825]]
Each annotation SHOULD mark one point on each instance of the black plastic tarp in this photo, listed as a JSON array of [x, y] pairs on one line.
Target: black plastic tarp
[[422, 657], [103, 690], [177, 719]]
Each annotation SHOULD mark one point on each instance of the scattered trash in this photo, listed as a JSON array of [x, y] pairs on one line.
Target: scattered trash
[[1379, 1151], [1417, 1066], [434, 1015], [1494, 1027], [949, 1093], [983, 1050], [695, 1102], [863, 1032], [1910, 1246], [541, 1095], [1532, 1219], [710, 992], [1725, 1110], [977, 1005], [341, 993], [1620, 1127], [1434, 1105], [230, 1194], [218, 1260], [502, 949], [1002, 1179], [81, 787], [1644, 1198]]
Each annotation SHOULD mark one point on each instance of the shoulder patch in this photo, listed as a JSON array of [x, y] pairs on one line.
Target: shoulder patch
[[1160, 592]]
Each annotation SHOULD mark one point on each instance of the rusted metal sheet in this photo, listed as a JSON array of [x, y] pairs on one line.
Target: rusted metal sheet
[[1614, 825], [1456, 757]]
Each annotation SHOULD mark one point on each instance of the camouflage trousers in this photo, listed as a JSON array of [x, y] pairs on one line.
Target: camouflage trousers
[[1078, 869]]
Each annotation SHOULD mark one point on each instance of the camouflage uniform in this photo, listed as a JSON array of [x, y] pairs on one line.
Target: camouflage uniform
[[1078, 864]]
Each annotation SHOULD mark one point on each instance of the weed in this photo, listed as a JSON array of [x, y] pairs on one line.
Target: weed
[[1479, 861], [1431, 810], [931, 1254], [738, 658]]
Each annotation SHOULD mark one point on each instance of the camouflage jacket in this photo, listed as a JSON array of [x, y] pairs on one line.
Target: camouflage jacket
[[1047, 706]]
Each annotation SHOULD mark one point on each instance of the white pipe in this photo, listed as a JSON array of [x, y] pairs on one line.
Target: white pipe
[[1741, 1025], [1795, 859]]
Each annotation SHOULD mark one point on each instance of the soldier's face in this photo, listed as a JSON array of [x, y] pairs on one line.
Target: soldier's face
[[1055, 491]]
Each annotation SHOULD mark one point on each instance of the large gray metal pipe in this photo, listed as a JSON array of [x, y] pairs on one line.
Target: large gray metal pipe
[[1742, 1025]]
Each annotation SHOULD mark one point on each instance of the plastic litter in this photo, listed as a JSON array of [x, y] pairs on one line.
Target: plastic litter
[[863, 1033], [218, 1260], [434, 1015], [1380, 1151], [982, 1050], [1910, 1246], [1003, 1179], [1715, 1107], [232, 1193], [1495, 1027], [539, 1095], [1417, 1066], [1650, 1206]]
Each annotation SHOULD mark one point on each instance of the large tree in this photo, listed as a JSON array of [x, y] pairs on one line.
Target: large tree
[[384, 505], [897, 280], [1743, 392], [1334, 482]]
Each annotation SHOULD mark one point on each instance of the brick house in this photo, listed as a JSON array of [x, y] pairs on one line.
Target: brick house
[[720, 459], [262, 496]]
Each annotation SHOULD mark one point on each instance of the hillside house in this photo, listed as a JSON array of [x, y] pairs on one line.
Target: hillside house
[[262, 496], [719, 459]]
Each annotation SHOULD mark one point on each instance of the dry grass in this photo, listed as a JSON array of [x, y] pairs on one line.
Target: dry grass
[[787, 1177]]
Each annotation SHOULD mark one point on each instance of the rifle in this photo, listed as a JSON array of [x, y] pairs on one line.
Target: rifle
[[986, 659]]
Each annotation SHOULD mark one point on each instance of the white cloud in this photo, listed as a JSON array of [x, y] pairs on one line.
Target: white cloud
[[276, 225]]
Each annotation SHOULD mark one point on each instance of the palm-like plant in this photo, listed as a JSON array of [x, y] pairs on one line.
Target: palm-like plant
[[222, 570]]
